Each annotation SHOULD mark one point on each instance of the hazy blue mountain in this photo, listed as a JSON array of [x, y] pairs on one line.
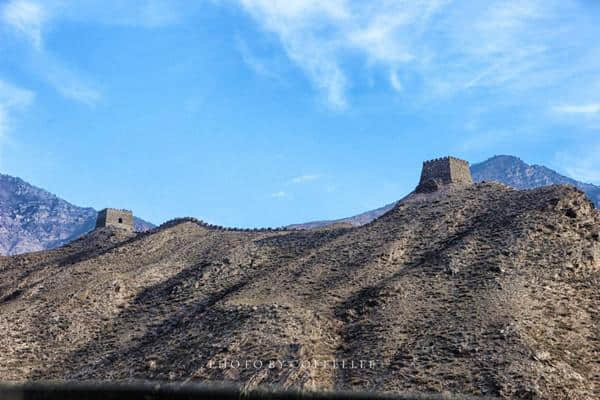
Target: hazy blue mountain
[[506, 169], [33, 219], [514, 172]]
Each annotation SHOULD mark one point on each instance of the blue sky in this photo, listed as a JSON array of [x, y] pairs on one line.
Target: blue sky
[[270, 112]]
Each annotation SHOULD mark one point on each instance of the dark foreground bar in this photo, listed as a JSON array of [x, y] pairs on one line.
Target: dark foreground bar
[[170, 391]]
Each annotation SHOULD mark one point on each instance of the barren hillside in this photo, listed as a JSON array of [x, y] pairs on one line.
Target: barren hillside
[[480, 290]]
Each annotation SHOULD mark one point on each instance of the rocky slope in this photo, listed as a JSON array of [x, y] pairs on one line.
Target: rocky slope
[[509, 170], [477, 290], [32, 219]]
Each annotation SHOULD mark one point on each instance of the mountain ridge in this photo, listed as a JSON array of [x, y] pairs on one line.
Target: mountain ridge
[[27, 224], [33, 219], [513, 171], [479, 290], [492, 169]]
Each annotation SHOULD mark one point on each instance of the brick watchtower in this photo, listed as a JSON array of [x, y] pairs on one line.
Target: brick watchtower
[[444, 171], [111, 217]]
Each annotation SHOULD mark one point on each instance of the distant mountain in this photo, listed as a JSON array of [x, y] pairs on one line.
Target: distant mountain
[[514, 172], [33, 219], [510, 170], [356, 220]]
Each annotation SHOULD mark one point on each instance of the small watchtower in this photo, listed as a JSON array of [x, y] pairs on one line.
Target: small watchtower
[[444, 171], [114, 218]]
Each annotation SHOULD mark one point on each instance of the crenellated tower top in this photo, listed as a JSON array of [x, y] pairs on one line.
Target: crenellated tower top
[[443, 171]]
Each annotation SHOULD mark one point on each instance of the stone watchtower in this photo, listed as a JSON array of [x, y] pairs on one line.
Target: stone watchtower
[[110, 217], [444, 171]]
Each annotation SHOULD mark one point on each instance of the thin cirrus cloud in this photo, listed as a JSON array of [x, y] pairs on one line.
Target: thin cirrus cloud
[[583, 165], [12, 99], [585, 109], [29, 19], [395, 81], [69, 83], [3, 123], [279, 195], [255, 63], [135, 13], [301, 179], [25, 17], [305, 178], [446, 46]]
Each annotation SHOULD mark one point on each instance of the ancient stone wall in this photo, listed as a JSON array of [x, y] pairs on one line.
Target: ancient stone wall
[[438, 169], [110, 217], [444, 170], [459, 171], [199, 222]]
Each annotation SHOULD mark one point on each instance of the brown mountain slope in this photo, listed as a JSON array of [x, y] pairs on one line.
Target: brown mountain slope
[[481, 290]]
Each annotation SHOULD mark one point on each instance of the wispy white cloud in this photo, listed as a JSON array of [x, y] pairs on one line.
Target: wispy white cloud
[[255, 63], [296, 22], [582, 165], [157, 13], [448, 47], [31, 18], [586, 109], [77, 91], [12, 99], [484, 139], [136, 13], [395, 81], [69, 82], [305, 178], [26, 17], [3, 125], [279, 195]]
